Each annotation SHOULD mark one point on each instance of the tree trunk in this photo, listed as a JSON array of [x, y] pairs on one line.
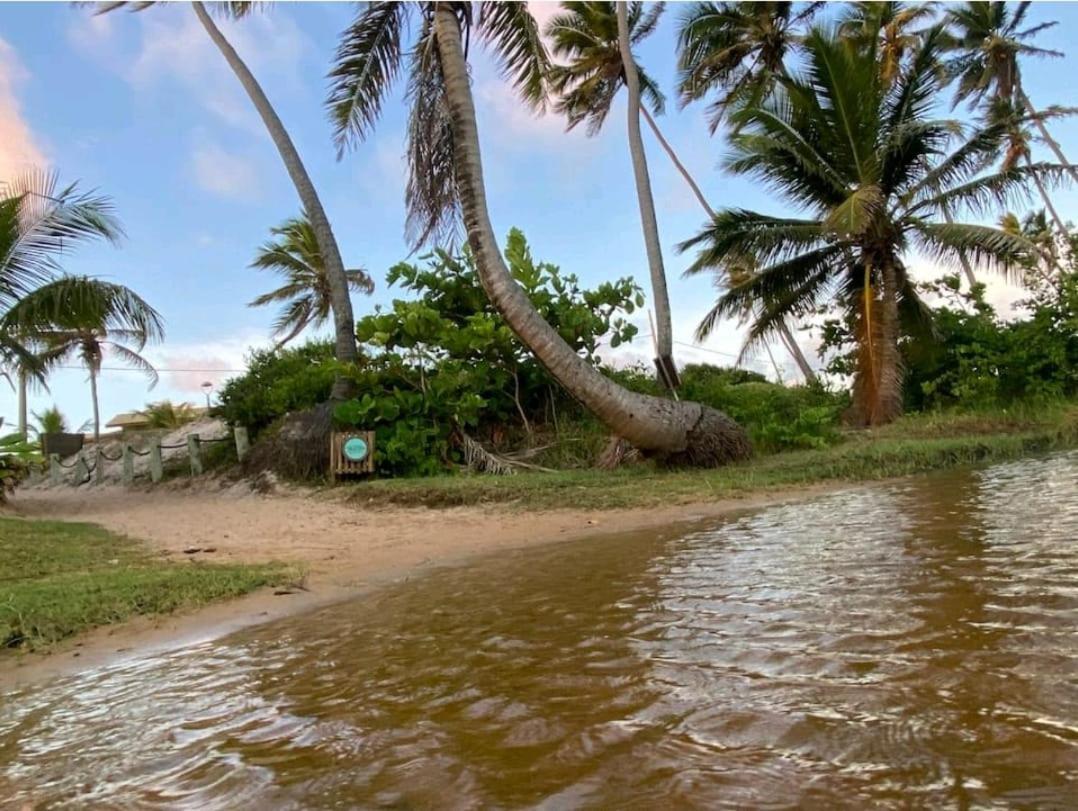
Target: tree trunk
[[877, 385], [23, 392], [679, 431], [787, 337], [966, 267], [1048, 139], [664, 338], [1047, 200], [343, 319], [97, 413]]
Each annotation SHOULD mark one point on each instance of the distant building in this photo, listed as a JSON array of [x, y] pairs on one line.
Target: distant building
[[129, 421]]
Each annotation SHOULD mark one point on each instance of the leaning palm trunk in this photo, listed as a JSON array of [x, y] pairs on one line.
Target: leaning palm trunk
[[344, 325], [681, 432], [1047, 200], [966, 267], [24, 385], [877, 385], [1048, 139], [664, 339], [784, 331]]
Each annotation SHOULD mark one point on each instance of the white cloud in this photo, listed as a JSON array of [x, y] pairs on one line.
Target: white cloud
[[224, 173], [18, 148], [195, 363]]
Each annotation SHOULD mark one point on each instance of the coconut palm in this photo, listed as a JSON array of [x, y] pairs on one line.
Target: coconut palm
[[736, 50], [594, 40], [989, 39], [871, 172], [346, 350], [82, 318], [39, 222], [446, 179], [294, 254]]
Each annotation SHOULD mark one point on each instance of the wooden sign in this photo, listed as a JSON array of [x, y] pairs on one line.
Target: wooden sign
[[351, 453]]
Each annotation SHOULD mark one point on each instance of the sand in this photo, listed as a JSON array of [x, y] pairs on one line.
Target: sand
[[348, 550]]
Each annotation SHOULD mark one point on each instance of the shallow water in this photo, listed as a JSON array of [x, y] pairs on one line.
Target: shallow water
[[912, 645]]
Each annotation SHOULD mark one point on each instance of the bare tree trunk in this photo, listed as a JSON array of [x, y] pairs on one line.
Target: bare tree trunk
[[877, 385], [664, 338], [682, 432], [343, 319], [93, 395], [788, 339], [1047, 200], [23, 392], [966, 267], [1048, 139]]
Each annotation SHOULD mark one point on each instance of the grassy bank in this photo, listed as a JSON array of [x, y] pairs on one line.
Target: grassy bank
[[915, 444], [58, 579]]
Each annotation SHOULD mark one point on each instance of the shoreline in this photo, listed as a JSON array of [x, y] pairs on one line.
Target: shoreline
[[357, 552]]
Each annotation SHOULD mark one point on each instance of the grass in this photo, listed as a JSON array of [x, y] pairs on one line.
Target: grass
[[915, 444], [58, 579]]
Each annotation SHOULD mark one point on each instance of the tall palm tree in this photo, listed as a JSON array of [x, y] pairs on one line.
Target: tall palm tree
[[446, 179], [39, 222], [81, 318], [346, 350], [306, 292], [595, 39], [871, 171], [989, 39], [739, 50]]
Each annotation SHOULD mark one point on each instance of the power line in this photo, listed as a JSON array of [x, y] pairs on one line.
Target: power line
[[156, 369]]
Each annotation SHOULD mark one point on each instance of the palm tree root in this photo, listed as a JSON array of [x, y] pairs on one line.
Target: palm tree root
[[713, 440], [298, 448]]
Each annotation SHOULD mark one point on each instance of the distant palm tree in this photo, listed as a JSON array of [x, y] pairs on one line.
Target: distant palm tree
[[892, 29], [445, 184], [988, 40], [596, 65], [306, 292], [346, 350], [872, 172], [81, 318], [39, 223]]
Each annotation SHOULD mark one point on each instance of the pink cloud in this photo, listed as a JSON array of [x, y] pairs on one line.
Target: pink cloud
[[18, 149]]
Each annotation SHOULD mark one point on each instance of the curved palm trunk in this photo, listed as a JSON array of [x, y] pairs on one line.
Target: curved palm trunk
[[784, 331], [1047, 200], [23, 392], [343, 320], [93, 395], [664, 338], [680, 431], [967, 268], [1048, 139], [877, 385]]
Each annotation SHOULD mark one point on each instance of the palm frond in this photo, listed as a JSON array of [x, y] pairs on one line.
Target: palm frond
[[511, 32]]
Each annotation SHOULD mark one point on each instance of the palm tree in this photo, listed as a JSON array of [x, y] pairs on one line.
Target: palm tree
[[596, 39], [306, 292], [346, 350], [81, 318], [871, 171], [989, 40], [39, 222], [446, 178], [738, 50]]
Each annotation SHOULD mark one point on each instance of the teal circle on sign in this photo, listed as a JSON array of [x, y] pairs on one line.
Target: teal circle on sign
[[356, 449]]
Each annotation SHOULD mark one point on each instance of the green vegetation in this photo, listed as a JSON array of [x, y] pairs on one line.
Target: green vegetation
[[167, 414], [58, 579], [908, 446]]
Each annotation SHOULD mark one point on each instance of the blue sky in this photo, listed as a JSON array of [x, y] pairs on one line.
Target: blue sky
[[142, 107]]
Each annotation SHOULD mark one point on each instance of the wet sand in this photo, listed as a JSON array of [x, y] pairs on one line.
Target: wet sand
[[346, 548]]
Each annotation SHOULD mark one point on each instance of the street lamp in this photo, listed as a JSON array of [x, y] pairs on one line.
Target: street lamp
[[207, 387]]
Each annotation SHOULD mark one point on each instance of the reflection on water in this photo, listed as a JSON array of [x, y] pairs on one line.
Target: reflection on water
[[904, 646]]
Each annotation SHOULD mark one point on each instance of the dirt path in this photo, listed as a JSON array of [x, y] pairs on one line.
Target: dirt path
[[348, 549]]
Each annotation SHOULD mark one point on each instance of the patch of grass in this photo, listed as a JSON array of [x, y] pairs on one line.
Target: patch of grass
[[916, 444], [58, 579]]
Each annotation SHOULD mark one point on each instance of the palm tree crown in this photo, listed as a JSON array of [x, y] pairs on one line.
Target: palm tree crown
[[871, 171], [294, 254], [585, 37]]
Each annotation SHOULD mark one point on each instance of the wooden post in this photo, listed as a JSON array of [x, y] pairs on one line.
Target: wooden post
[[129, 464], [54, 468], [194, 450], [243, 442], [82, 470], [157, 469], [99, 467]]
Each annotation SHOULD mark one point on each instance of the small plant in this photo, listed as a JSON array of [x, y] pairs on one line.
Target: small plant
[[50, 421], [16, 457], [166, 414]]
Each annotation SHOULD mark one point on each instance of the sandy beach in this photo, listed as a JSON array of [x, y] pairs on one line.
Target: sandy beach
[[347, 550]]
